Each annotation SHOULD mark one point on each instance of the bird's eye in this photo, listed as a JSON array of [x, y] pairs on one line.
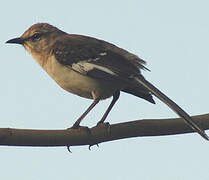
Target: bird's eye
[[36, 37]]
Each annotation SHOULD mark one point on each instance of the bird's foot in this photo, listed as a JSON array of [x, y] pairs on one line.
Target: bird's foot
[[80, 128], [105, 125]]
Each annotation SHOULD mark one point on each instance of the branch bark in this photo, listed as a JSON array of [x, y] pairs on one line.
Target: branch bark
[[98, 134]]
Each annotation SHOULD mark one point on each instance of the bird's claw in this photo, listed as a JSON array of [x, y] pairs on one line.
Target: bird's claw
[[68, 148], [93, 145], [84, 128]]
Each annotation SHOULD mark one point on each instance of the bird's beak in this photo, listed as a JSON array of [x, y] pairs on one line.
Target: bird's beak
[[18, 40]]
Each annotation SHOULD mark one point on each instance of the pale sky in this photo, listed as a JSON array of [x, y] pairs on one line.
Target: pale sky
[[172, 36]]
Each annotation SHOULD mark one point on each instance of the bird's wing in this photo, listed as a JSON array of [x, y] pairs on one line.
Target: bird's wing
[[96, 58]]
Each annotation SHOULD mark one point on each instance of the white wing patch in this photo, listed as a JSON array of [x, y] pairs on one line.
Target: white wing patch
[[85, 66], [103, 54]]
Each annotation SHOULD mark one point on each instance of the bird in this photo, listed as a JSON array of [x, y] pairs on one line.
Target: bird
[[93, 68]]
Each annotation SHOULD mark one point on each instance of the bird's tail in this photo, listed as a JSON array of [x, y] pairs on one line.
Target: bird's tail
[[172, 105]]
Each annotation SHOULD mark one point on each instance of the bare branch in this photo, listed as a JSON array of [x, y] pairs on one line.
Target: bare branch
[[98, 134]]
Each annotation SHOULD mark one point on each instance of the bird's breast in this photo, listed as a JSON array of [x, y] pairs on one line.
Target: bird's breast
[[77, 83]]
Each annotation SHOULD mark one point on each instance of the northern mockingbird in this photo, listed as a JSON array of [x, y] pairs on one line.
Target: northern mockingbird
[[92, 68]]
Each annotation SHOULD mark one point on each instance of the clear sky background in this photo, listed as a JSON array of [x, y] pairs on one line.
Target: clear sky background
[[172, 36]]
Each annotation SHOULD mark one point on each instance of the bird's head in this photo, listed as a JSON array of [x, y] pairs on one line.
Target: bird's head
[[38, 38]]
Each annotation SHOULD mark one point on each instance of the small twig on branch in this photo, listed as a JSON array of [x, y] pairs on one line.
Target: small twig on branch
[[98, 134]]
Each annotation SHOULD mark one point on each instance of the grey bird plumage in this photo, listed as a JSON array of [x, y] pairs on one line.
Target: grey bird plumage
[[92, 68]]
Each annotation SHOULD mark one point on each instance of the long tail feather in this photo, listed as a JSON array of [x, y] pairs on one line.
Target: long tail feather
[[172, 105]]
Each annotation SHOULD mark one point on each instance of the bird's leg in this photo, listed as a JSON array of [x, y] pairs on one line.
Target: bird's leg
[[115, 98], [77, 123]]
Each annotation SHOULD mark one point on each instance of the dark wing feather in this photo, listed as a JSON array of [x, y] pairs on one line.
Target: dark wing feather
[[82, 49], [140, 92]]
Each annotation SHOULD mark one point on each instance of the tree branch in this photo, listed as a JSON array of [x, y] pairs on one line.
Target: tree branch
[[98, 134]]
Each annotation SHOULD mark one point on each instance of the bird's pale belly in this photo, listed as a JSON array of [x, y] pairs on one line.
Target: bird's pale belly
[[79, 84]]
